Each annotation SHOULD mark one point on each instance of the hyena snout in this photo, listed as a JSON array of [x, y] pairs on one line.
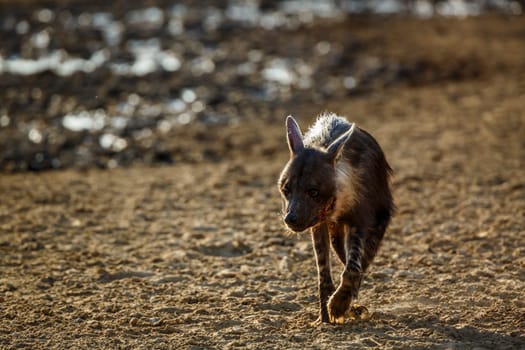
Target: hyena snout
[[298, 218], [290, 219]]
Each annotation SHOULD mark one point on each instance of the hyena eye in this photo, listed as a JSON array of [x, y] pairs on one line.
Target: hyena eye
[[312, 192]]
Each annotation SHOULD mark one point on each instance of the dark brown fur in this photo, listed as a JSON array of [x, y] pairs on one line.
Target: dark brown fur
[[337, 184]]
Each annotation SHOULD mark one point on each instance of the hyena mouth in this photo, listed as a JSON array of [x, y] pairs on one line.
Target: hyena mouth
[[323, 213], [299, 228], [321, 216]]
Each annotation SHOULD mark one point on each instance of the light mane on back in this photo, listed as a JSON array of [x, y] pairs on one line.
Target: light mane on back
[[325, 130]]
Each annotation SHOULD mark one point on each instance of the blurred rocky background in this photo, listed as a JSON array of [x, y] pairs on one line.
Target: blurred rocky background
[[113, 83]]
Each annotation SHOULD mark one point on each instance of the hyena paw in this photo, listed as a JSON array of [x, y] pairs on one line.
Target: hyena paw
[[358, 312], [323, 318], [317, 322], [337, 307]]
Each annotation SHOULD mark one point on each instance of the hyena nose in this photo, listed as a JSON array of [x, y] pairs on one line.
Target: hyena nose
[[290, 218]]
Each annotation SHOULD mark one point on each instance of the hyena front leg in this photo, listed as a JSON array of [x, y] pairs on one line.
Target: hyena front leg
[[321, 243], [350, 279]]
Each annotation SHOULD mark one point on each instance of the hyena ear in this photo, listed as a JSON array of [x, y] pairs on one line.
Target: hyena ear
[[294, 135], [335, 148]]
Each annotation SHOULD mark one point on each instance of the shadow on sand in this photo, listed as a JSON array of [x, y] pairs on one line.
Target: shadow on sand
[[431, 331]]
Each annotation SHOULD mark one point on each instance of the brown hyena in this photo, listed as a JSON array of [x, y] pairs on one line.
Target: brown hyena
[[337, 183]]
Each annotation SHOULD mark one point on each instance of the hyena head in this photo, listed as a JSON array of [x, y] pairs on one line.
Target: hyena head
[[308, 181]]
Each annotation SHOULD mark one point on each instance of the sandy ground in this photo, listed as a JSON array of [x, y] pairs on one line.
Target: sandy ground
[[195, 255]]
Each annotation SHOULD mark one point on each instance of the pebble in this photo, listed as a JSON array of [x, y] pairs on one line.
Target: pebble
[[284, 264], [94, 324], [226, 273]]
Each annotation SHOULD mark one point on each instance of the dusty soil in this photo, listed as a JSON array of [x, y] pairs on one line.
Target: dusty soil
[[195, 255]]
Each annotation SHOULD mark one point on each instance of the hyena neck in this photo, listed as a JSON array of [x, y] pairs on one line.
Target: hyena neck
[[346, 189]]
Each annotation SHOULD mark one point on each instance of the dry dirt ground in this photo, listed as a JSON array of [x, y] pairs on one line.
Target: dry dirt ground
[[195, 256]]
